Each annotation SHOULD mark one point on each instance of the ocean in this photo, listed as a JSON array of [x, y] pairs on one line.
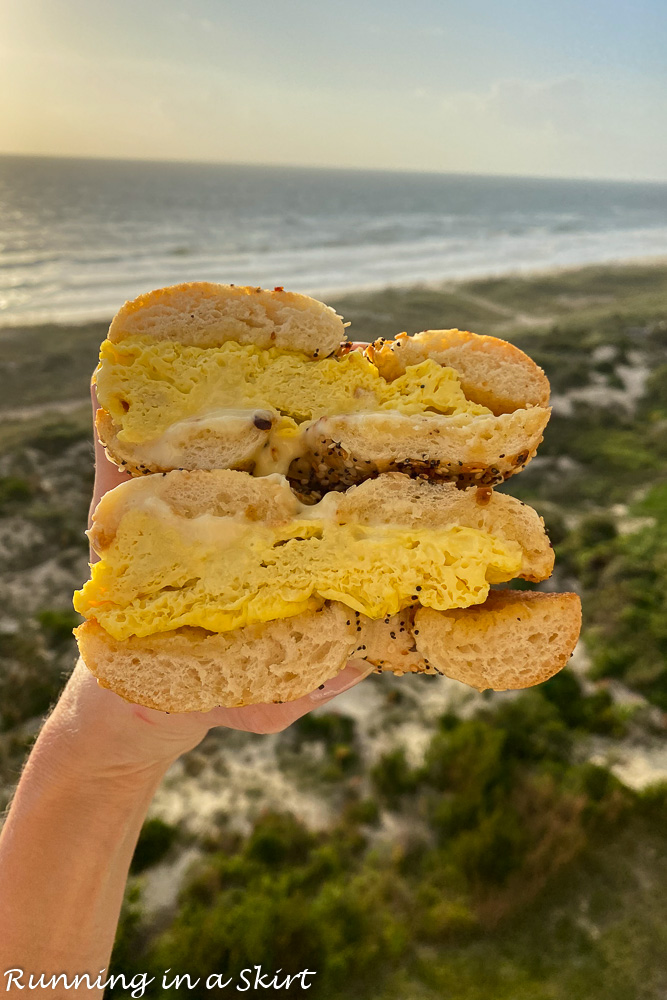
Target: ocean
[[78, 237]]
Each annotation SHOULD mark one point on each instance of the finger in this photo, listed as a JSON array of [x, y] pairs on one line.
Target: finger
[[107, 475], [275, 718]]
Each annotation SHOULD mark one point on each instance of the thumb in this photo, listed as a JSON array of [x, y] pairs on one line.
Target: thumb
[[354, 672], [274, 718]]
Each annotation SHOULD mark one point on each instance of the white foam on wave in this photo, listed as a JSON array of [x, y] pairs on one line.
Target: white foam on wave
[[72, 288]]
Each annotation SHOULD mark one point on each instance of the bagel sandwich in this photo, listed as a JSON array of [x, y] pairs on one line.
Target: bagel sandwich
[[206, 376], [219, 588]]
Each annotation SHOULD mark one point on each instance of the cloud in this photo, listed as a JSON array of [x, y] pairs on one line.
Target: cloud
[[182, 17], [559, 106]]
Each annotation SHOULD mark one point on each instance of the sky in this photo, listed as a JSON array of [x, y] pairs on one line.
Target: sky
[[562, 88]]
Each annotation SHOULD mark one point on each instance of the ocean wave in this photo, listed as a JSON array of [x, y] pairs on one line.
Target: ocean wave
[[67, 257], [87, 289]]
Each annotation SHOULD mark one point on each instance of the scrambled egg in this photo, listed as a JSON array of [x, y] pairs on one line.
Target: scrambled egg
[[148, 386], [162, 572]]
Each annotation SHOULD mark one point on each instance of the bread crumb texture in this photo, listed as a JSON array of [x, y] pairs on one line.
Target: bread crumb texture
[[513, 640]]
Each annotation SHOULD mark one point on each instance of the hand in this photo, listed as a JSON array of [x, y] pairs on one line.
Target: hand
[[142, 736]]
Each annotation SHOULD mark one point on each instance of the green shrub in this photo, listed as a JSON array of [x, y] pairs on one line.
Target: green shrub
[[653, 804], [155, 840], [58, 435], [626, 604], [493, 848], [467, 757], [14, 492], [287, 900], [29, 680], [129, 939], [326, 727], [57, 625], [654, 400], [279, 840], [442, 916], [62, 527], [337, 735], [593, 713], [654, 504], [392, 776], [362, 811], [533, 730]]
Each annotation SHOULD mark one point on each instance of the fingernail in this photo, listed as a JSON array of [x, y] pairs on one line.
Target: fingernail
[[343, 681]]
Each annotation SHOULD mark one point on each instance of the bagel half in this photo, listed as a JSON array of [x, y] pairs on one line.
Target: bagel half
[[217, 588], [204, 376]]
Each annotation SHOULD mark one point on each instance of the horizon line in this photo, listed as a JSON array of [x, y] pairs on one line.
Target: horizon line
[[338, 168]]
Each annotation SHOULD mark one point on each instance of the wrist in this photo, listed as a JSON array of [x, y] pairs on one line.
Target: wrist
[[81, 763], [94, 736]]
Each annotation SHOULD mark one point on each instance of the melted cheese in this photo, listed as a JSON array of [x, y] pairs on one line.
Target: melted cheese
[[150, 386], [162, 571], [285, 442], [272, 452]]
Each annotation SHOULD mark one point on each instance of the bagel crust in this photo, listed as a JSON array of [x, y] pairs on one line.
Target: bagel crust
[[192, 670], [493, 372], [513, 640], [330, 451], [470, 451], [205, 314]]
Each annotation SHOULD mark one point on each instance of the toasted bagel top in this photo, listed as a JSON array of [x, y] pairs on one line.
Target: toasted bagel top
[[205, 314]]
